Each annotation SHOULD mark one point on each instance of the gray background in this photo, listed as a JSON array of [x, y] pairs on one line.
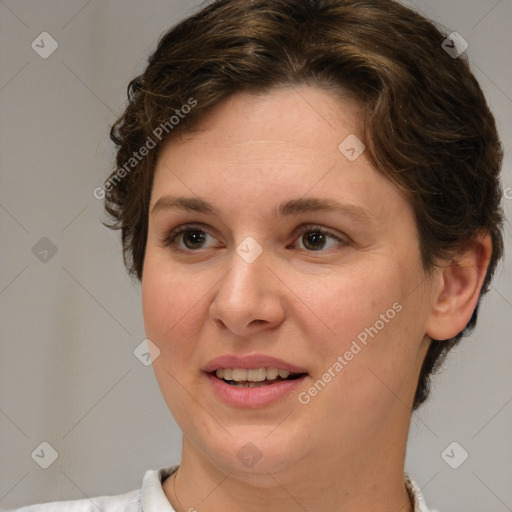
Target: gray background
[[70, 325]]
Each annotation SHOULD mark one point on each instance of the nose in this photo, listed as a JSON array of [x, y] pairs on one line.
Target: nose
[[249, 298]]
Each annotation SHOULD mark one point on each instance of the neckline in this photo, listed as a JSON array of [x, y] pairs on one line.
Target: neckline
[[168, 471]]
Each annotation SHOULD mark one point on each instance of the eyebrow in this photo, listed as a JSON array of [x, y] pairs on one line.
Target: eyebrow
[[287, 208]]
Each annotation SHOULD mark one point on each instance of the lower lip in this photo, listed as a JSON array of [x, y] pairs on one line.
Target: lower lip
[[253, 397]]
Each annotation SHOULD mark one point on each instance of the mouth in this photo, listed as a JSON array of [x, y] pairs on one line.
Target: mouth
[[253, 380], [254, 377]]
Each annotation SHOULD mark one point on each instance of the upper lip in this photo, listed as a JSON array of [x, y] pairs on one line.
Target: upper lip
[[252, 361]]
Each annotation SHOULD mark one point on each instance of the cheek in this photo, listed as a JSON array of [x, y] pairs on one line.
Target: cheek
[[371, 319], [349, 302], [156, 305], [170, 311], [168, 304]]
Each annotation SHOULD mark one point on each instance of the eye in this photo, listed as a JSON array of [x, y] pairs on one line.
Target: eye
[[187, 238], [192, 238], [315, 238]]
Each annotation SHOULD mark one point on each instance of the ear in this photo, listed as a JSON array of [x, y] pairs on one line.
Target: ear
[[458, 289]]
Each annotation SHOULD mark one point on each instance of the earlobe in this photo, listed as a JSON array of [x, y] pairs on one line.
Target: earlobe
[[459, 284]]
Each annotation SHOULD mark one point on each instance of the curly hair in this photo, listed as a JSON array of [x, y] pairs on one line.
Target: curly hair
[[426, 124]]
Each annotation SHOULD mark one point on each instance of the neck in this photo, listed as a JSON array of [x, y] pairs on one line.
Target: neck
[[370, 481]]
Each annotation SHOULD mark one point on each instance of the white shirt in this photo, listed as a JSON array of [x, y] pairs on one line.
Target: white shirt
[[151, 498]]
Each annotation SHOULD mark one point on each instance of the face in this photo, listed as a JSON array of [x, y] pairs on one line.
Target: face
[[271, 249]]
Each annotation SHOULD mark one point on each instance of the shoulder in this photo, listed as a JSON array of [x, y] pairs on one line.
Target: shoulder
[[128, 502], [150, 497]]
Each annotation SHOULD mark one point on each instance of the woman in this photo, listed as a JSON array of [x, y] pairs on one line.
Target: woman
[[308, 192]]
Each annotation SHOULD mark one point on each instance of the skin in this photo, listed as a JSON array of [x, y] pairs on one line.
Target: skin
[[345, 449]]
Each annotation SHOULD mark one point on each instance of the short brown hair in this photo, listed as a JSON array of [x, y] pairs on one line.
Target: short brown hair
[[426, 126]]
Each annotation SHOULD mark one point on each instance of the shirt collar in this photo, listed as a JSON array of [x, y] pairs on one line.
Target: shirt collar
[[415, 494], [153, 498]]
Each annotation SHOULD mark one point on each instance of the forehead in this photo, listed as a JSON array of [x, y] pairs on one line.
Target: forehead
[[273, 147], [295, 127], [284, 115]]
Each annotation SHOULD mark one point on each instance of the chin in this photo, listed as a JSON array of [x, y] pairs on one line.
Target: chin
[[250, 451]]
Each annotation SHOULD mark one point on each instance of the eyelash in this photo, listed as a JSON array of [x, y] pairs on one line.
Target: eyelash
[[170, 239]]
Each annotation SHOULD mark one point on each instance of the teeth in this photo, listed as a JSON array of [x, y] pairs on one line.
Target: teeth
[[248, 384], [256, 375], [252, 375], [272, 373]]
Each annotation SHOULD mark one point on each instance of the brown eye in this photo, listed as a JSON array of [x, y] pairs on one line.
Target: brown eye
[[192, 239], [188, 239], [314, 240]]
